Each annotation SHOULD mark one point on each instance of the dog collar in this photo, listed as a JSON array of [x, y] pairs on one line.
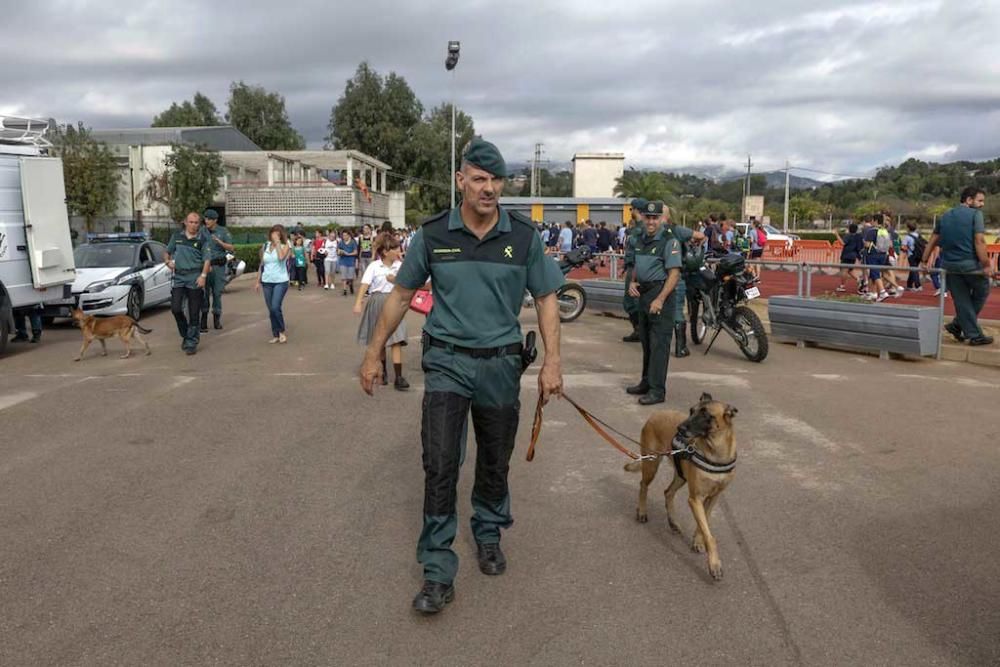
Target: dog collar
[[683, 449]]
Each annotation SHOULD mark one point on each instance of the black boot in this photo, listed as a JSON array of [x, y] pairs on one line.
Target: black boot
[[204, 322], [491, 558], [634, 336], [217, 320], [680, 340], [638, 390], [433, 596]]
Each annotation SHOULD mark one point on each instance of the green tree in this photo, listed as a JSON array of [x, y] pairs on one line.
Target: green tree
[[380, 116], [192, 176], [646, 184], [199, 112], [261, 115], [90, 173], [430, 189]]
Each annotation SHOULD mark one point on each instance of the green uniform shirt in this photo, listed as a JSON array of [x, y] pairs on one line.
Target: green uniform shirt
[[189, 257], [215, 250], [957, 229], [478, 285], [654, 256]]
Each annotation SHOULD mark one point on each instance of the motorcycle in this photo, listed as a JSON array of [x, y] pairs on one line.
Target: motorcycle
[[234, 268], [721, 295], [571, 296]]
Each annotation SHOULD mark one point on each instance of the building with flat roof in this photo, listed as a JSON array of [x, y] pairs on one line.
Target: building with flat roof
[[596, 174], [559, 210]]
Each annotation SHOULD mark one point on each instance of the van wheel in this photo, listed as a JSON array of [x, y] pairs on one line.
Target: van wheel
[[133, 305]]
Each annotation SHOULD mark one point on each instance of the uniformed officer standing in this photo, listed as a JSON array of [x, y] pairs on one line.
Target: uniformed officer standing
[[656, 256], [187, 256], [684, 236], [961, 234], [221, 243], [629, 302], [480, 258]]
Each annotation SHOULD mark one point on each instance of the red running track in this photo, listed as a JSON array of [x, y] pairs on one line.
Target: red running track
[[774, 283]]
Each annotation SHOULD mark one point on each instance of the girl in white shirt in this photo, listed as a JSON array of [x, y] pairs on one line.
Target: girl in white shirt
[[378, 281]]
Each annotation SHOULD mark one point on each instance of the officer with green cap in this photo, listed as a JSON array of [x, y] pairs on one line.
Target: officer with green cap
[[684, 237], [221, 243], [656, 258], [480, 259], [187, 255], [630, 303]]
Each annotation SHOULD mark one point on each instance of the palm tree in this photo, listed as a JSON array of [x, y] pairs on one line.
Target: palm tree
[[646, 184]]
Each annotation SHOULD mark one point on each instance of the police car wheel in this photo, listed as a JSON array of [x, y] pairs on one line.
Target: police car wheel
[[133, 304]]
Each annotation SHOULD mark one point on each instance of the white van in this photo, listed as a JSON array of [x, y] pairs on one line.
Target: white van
[[36, 251]]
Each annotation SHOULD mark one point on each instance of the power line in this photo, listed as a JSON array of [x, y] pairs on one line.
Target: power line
[[415, 179]]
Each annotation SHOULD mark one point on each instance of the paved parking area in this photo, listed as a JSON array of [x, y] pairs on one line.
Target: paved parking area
[[250, 505]]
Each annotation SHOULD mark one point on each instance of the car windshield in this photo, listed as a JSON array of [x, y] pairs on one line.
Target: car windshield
[[101, 255], [771, 230]]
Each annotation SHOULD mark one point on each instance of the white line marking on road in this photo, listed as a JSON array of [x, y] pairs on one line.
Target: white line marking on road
[[294, 374], [180, 381], [10, 400], [965, 382], [828, 376], [239, 329], [710, 378]]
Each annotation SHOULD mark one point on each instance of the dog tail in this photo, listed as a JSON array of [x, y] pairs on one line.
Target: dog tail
[[634, 466], [141, 328]]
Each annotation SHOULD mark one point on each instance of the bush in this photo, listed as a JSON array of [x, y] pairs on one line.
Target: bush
[[249, 253]]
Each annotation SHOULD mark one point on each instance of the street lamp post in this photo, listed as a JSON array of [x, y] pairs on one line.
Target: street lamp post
[[449, 64]]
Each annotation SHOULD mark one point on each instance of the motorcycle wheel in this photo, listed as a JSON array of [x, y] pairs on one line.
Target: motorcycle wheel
[[755, 347], [698, 328], [572, 300]]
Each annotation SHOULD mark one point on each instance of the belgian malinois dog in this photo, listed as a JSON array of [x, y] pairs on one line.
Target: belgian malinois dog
[[102, 328], [708, 428]]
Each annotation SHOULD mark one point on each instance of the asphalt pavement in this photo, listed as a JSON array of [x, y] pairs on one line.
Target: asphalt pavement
[[250, 506]]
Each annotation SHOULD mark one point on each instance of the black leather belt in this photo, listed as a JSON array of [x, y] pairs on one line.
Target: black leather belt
[[219, 262], [645, 287], [476, 352]]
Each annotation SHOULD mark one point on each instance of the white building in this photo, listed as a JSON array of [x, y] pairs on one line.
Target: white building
[[595, 174]]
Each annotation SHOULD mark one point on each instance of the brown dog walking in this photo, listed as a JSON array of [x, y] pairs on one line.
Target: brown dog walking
[[102, 328], [705, 462]]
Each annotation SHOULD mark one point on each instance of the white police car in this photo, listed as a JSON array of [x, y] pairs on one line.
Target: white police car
[[118, 274]]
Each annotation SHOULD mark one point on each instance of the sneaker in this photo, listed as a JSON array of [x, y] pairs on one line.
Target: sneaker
[[282, 338], [274, 340], [981, 340], [937, 292], [917, 289], [867, 296], [840, 288], [882, 296], [400, 384], [326, 287], [898, 293]]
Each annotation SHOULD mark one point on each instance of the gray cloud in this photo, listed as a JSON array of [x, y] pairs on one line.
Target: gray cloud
[[844, 85]]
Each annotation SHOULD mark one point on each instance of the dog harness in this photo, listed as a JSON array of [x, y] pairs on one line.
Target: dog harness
[[683, 449]]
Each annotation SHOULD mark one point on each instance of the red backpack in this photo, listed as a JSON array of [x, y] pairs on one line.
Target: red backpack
[[761, 238]]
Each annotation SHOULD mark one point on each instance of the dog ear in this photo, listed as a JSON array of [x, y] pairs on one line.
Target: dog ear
[[705, 397], [730, 412]]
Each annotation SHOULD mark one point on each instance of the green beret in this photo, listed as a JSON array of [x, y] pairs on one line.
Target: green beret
[[652, 208], [486, 156], [210, 214]]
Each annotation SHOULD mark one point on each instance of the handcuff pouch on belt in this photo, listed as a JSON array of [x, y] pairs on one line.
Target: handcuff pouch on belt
[[529, 352]]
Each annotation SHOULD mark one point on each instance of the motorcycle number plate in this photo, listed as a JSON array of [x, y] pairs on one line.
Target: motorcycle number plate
[[752, 293]]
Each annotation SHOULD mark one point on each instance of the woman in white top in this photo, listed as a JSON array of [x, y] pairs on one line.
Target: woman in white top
[[378, 281], [330, 259], [273, 279]]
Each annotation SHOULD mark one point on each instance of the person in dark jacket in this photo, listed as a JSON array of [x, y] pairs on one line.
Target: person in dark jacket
[[850, 254]]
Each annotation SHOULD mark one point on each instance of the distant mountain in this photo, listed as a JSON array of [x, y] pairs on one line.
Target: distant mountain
[[716, 173]]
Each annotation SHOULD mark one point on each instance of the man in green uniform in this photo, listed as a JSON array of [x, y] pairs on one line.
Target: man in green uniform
[[187, 256], [656, 256], [961, 234], [480, 258], [684, 236], [221, 243], [630, 303]]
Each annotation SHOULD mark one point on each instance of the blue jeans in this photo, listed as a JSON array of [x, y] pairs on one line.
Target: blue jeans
[[274, 295], [936, 277]]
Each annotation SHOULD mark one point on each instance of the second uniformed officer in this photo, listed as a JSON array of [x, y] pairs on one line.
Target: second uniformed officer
[[187, 256], [684, 236], [480, 258], [221, 243], [629, 302], [656, 256]]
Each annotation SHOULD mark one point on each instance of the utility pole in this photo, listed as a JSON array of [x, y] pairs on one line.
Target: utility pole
[[787, 180], [746, 190], [449, 64], [536, 174]]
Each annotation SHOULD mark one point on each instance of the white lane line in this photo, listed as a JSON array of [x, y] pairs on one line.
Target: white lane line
[[10, 400], [239, 329], [180, 381], [711, 378]]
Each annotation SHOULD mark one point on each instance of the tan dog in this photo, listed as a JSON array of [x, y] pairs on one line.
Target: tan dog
[[709, 429], [102, 328]]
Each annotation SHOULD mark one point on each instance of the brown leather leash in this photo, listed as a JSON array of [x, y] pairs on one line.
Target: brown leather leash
[[595, 423]]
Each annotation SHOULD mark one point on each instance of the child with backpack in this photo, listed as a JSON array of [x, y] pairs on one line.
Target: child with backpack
[[914, 245]]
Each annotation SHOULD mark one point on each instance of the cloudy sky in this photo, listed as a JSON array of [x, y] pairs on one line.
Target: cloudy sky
[[842, 86]]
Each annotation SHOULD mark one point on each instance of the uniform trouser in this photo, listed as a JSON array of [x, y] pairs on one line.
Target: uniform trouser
[[631, 306], [214, 282], [22, 319], [655, 333], [187, 323], [454, 383], [681, 299], [969, 294]]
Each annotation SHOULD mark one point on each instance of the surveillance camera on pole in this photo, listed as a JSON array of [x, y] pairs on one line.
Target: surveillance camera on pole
[[449, 64]]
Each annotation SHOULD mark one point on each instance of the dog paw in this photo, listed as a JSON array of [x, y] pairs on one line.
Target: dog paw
[[640, 517], [698, 545], [76, 359], [715, 570], [673, 526]]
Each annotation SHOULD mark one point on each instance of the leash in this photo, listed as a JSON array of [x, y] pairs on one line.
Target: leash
[[679, 449], [596, 423]]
